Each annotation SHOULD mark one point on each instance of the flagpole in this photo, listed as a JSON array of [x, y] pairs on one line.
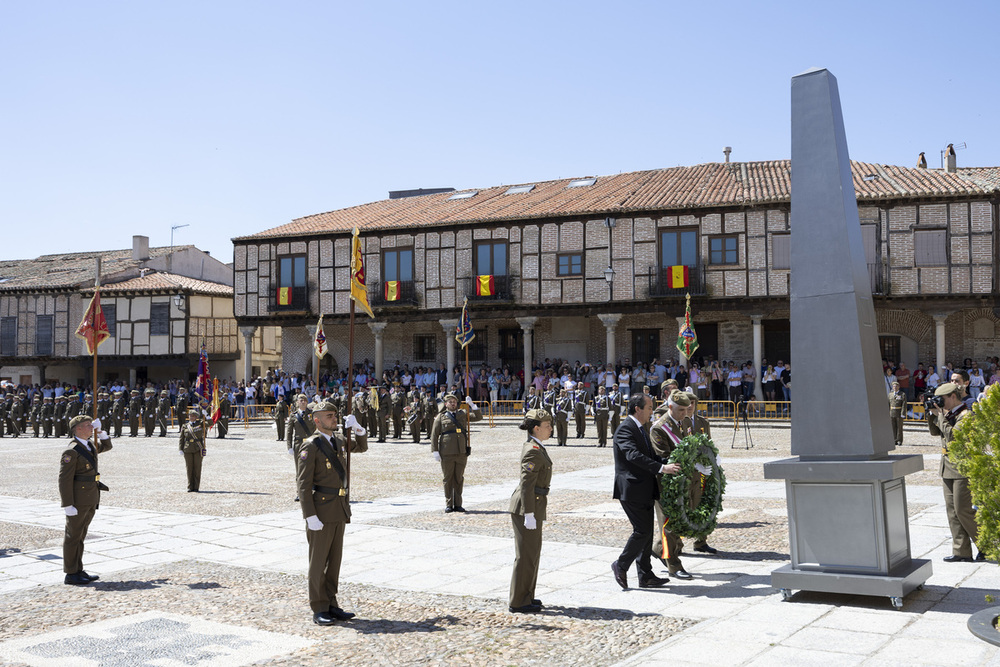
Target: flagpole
[[350, 405], [93, 328], [465, 381]]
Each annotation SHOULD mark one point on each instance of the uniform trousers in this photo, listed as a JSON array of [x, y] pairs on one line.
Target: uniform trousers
[[453, 468], [562, 430], [897, 428], [193, 462], [581, 424], [326, 549], [281, 429], [527, 554], [666, 544], [961, 516], [601, 422], [76, 533]]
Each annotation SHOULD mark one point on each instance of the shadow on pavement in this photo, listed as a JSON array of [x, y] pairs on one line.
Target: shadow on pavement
[[385, 626], [591, 613]]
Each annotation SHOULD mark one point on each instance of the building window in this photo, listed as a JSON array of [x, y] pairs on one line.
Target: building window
[[291, 282], [8, 337], [890, 348], [930, 247], [724, 250], [397, 264], [569, 264], [491, 258], [477, 349], [110, 311], [645, 345], [43, 335], [425, 348], [781, 251], [159, 319], [679, 248]]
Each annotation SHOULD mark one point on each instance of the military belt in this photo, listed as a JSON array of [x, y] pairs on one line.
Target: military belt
[[330, 490], [541, 490], [87, 478]]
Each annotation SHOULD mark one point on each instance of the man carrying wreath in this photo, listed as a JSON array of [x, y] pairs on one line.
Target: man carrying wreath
[[665, 434]]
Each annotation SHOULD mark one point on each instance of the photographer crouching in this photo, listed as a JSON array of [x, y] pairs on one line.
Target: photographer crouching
[[944, 411]]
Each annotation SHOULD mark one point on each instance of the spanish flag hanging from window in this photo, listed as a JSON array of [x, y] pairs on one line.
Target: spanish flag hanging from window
[[284, 296], [485, 286], [392, 290], [677, 277], [358, 290]]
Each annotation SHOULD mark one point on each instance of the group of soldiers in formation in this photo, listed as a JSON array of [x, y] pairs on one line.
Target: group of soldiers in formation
[[50, 417]]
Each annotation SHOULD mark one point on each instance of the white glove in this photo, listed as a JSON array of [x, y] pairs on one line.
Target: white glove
[[103, 435], [97, 424], [703, 469], [70, 510], [529, 521], [468, 401], [351, 422], [291, 452], [181, 452], [313, 523], [437, 456]]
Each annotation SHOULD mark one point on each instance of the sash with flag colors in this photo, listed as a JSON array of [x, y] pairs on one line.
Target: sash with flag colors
[[485, 286], [687, 339], [93, 327], [677, 276], [319, 344], [464, 328], [203, 385], [284, 296], [392, 290], [358, 290]]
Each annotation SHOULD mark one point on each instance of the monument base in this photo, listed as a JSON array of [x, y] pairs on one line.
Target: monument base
[[896, 585]]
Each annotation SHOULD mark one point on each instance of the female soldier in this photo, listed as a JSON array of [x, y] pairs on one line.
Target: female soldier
[[527, 512]]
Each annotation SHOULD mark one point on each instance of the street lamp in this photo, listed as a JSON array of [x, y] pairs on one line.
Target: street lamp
[[609, 275]]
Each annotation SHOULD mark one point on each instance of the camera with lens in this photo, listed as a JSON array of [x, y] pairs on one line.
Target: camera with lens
[[931, 402]]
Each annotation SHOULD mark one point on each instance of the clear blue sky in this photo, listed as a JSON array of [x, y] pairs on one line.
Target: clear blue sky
[[129, 117]]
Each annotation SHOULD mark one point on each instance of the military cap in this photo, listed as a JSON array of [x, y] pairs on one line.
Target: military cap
[[945, 389], [118, 393], [164, 393], [86, 395], [150, 390], [47, 398], [79, 419], [134, 392], [61, 398], [693, 396], [324, 406], [37, 397], [447, 396], [539, 415], [194, 412], [680, 398], [669, 382], [895, 384]]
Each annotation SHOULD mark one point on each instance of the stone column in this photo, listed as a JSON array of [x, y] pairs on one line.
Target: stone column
[[450, 331], [757, 355], [939, 320], [683, 360], [610, 321], [132, 377], [378, 328], [528, 328], [314, 366], [248, 332]]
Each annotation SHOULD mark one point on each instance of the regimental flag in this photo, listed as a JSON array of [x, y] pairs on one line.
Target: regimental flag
[[93, 327], [359, 292], [392, 290], [284, 296], [319, 344], [485, 286], [677, 277], [687, 339], [373, 397], [215, 409], [464, 328], [204, 383]]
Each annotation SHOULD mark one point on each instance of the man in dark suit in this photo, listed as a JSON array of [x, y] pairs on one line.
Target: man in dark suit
[[637, 488]]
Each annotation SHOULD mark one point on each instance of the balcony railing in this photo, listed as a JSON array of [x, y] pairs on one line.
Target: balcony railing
[[876, 273], [659, 283], [407, 295], [501, 289], [299, 300]]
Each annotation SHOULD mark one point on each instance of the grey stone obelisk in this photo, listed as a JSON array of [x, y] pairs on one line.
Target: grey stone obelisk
[[846, 494]]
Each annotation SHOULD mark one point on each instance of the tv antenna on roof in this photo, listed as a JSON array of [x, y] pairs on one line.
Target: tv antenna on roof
[[956, 147], [188, 225]]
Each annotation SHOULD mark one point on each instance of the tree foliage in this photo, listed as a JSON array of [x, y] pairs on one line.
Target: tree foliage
[[975, 451]]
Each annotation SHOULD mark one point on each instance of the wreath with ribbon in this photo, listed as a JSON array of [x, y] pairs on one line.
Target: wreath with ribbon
[[675, 497]]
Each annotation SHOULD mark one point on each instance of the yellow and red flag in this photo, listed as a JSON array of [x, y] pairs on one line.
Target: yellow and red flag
[[216, 411], [359, 292], [93, 327], [284, 296], [677, 277], [485, 286], [392, 290]]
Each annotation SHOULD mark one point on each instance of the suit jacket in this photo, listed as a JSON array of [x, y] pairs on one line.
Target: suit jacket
[[636, 466]]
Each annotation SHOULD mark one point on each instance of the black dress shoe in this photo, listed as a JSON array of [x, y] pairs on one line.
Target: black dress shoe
[[92, 577], [340, 614], [681, 574], [526, 609], [76, 579], [449, 510], [620, 576], [460, 509], [323, 618], [536, 601], [653, 582], [957, 559], [705, 549]]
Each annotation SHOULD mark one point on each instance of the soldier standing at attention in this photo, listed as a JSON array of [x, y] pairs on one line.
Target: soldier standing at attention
[[580, 412], [563, 406], [35, 418], [181, 406], [13, 415], [48, 412], [322, 482], [134, 413], [450, 447], [527, 512], [532, 401], [602, 407], [414, 415], [225, 408], [398, 401], [384, 407], [373, 411], [103, 405], [80, 489], [300, 426], [118, 410], [163, 412], [192, 448], [149, 412], [897, 406], [280, 415]]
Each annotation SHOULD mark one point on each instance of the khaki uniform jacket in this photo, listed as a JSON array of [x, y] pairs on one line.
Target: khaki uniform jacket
[[134, 408], [280, 412], [940, 426], [897, 403], [445, 436], [314, 469], [602, 405], [663, 445], [163, 408], [531, 494], [192, 438], [79, 493], [699, 425], [300, 426]]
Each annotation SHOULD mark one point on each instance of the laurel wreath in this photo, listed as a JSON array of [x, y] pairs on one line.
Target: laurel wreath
[[681, 518]]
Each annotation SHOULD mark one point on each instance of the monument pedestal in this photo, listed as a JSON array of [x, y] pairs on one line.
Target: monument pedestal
[[848, 527]]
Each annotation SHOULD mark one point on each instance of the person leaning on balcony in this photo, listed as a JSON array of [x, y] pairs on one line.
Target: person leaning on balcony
[[942, 421]]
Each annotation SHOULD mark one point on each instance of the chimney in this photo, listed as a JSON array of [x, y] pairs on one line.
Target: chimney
[[950, 164], [140, 248], [727, 150]]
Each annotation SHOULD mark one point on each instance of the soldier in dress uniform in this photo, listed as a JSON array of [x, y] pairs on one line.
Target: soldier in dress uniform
[[149, 412], [450, 447], [398, 402], [384, 409], [3, 414], [80, 489], [25, 411], [35, 414], [601, 408], [163, 412], [527, 512], [181, 406], [134, 413], [192, 448], [14, 416], [225, 409], [664, 436], [562, 409], [414, 415], [580, 412], [118, 411], [549, 400], [48, 416], [299, 426], [897, 407], [280, 416], [103, 406], [360, 411], [430, 410], [373, 406], [532, 401], [322, 484]]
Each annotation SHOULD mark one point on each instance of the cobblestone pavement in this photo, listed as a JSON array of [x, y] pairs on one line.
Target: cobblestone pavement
[[219, 575]]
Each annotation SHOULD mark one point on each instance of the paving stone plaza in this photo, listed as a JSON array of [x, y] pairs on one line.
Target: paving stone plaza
[[218, 577]]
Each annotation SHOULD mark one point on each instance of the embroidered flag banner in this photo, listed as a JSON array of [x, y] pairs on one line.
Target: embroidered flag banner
[[319, 344], [687, 339], [359, 292], [93, 327], [464, 328]]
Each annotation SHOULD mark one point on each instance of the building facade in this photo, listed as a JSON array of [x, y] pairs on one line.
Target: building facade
[[587, 268]]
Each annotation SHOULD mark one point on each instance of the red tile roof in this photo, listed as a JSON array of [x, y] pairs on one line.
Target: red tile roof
[[169, 282], [661, 190]]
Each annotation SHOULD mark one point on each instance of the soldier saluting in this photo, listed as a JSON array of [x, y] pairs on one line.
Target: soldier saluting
[[450, 447], [80, 489]]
